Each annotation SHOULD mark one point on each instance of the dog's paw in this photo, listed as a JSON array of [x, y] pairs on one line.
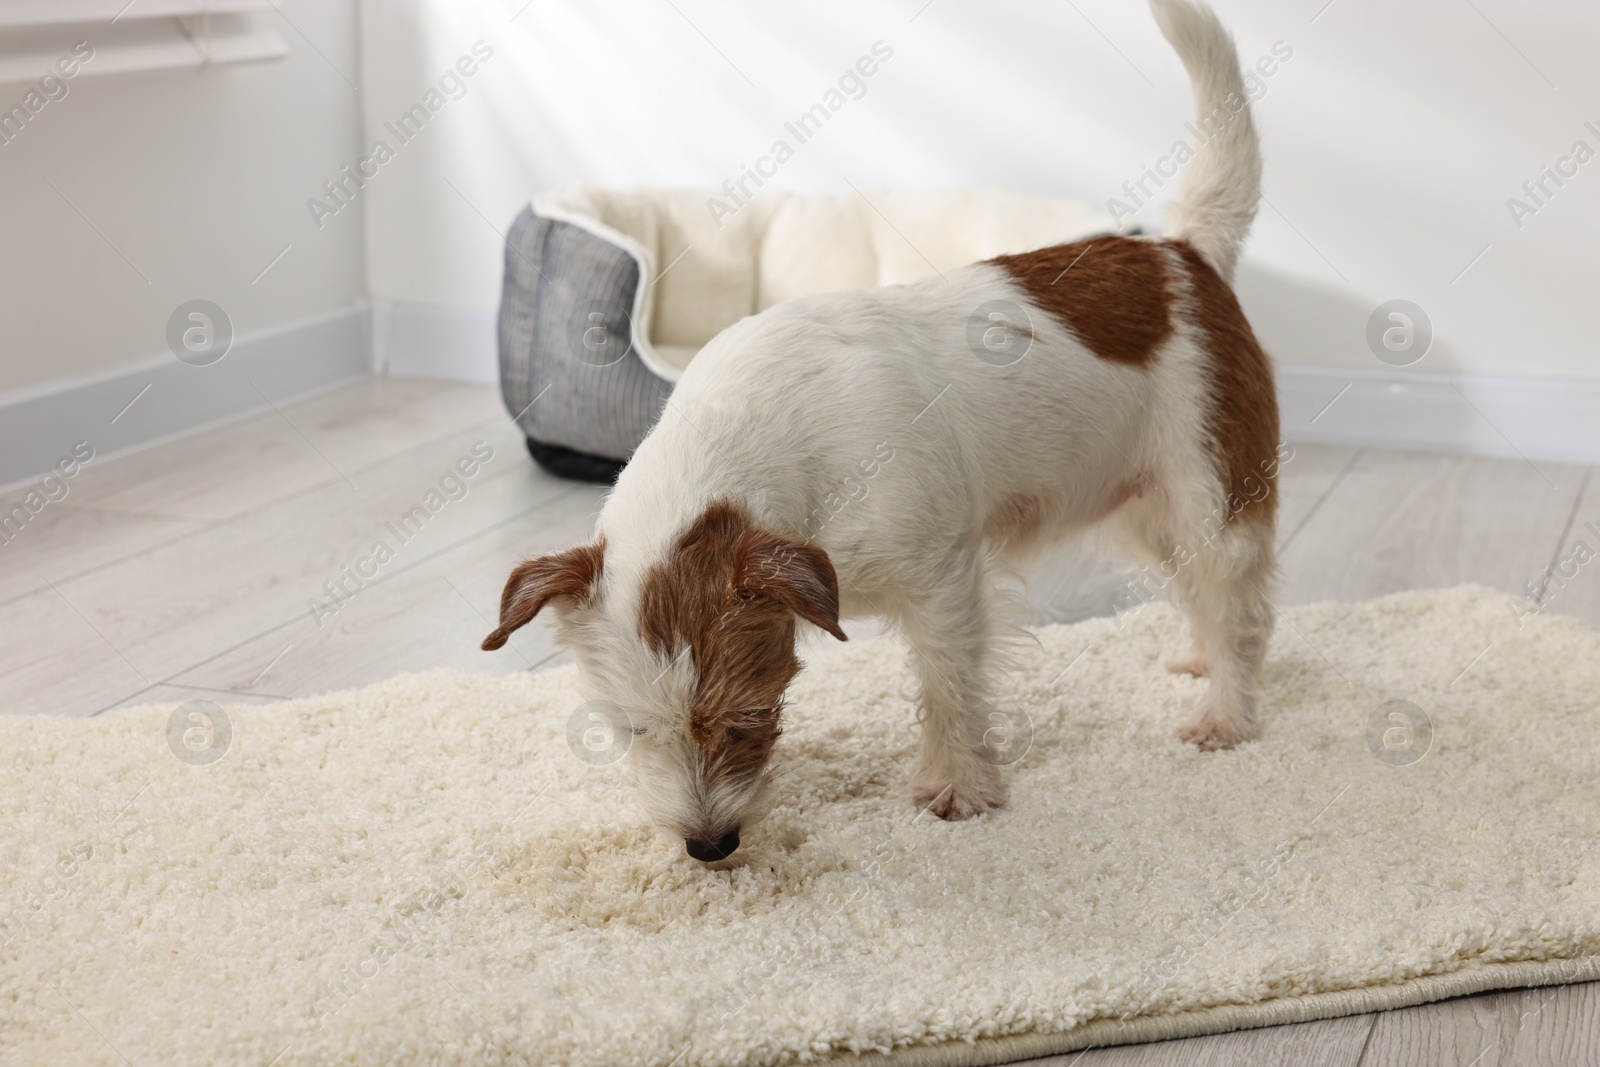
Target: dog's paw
[[954, 798], [1209, 730], [1195, 665]]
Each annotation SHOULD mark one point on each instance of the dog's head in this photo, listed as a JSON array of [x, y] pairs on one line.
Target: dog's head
[[698, 649]]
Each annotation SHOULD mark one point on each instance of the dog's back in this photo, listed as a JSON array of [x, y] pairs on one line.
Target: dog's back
[[1021, 398]]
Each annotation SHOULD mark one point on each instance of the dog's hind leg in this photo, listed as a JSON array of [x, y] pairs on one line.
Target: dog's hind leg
[[1223, 591], [1219, 570], [951, 630]]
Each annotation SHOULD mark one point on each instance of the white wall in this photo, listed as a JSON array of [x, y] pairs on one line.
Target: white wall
[[1394, 136], [195, 181]]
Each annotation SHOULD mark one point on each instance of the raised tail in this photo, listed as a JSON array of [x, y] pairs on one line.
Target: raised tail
[[1217, 196]]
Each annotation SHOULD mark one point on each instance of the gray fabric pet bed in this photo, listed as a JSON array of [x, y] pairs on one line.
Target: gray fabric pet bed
[[609, 293]]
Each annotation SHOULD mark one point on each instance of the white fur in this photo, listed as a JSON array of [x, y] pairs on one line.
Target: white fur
[[780, 409], [1217, 199]]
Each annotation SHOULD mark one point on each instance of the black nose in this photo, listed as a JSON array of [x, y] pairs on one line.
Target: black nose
[[712, 851]]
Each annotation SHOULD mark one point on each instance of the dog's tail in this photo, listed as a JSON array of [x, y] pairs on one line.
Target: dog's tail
[[1217, 197]]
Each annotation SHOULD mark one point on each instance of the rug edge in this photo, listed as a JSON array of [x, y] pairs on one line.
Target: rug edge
[[1225, 1018]]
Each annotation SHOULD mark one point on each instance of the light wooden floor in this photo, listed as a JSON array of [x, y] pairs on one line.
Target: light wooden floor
[[187, 569]]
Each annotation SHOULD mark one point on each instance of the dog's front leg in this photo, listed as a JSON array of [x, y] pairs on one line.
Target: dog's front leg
[[950, 631]]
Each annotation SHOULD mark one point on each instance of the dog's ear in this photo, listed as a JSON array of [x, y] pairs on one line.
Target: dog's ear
[[535, 582], [798, 575]]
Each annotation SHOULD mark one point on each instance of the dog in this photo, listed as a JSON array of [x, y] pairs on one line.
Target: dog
[[1141, 404]]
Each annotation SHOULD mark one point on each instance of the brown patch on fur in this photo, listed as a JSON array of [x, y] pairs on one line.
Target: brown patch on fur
[[1124, 492], [728, 592], [1243, 419], [535, 582], [1111, 292], [1018, 518]]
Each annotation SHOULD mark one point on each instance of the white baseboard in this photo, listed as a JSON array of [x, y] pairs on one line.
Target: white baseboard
[[162, 397], [429, 341], [1476, 414]]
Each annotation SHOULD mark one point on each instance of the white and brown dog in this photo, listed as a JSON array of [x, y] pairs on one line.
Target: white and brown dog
[[1142, 403]]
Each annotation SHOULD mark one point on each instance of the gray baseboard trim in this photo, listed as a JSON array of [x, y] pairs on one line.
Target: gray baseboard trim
[[429, 341], [1510, 416], [161, 397]]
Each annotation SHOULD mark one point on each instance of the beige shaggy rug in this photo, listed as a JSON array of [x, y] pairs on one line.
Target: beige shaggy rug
[[445, 869]]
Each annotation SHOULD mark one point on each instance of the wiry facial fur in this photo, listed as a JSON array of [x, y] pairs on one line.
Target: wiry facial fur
[[699, 655], [712, 601]]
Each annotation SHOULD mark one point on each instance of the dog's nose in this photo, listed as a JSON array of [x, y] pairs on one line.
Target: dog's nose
[[712, 851]]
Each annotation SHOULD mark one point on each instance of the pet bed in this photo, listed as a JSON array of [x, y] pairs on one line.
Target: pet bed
[[610, 293]]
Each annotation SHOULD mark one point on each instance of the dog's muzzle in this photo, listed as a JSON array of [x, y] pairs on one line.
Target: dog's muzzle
[[712, 851]]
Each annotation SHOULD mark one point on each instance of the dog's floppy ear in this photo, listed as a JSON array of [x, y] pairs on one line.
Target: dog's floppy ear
[[535, 582], [798, 575]]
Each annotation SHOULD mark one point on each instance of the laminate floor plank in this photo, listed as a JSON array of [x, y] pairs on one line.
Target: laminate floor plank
[[1557, 1026], [1402, 520], [1571, 586], [236, 467], [53, 662], [431, 615], [1325, 1043], [192, 598], [65, 539]]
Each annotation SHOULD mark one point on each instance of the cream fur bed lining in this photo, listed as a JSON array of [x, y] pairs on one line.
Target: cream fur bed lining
[[702, 271], [425, 871]]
